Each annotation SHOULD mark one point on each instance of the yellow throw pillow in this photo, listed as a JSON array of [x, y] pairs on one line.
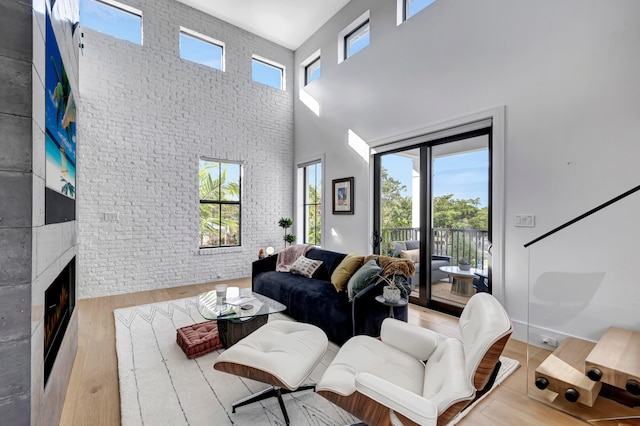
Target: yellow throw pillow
[[345, 269], [412, 255]]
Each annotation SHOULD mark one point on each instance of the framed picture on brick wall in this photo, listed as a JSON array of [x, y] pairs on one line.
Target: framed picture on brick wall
[[343, 196]]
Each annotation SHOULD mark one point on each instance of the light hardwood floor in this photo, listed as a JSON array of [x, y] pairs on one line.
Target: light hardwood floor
[[93, 397]]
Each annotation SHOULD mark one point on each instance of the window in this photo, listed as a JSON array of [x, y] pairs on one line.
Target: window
[[408, 8], [219, 184], [312, 202], [312, 71], [357, 40], [354, 37], [112, 18], [267, 72], [201, 49]]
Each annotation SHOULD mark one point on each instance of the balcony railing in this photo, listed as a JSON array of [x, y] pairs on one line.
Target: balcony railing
[[472, 244]]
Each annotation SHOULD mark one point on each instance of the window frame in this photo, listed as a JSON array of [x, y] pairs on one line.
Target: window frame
[[301, 225], [403, 7], [347, 50], [124, 9], [353, 27], [221, 203], [273, 64], [307, 67], [205, 39]]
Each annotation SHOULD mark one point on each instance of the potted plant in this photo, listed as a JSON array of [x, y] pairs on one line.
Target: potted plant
[[392, 292], [285, 223], [463, 264]]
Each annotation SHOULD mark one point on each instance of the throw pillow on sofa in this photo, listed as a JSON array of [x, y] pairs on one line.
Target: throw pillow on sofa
[[345, 270], [305, 266], [363, 277], [412, 255]]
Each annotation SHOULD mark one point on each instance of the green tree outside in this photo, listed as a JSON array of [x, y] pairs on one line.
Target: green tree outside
[[456, 223], [395, 208], [449, 212], [219, 223], [313, 215], [454, 220]]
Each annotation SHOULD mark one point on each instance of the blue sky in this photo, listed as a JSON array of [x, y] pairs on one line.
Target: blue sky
[[415, 6], [463, 175]]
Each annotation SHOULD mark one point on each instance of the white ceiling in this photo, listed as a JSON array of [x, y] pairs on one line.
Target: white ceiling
[[285, 22]]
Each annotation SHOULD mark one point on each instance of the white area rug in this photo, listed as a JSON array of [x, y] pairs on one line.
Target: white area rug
[[160, 386]]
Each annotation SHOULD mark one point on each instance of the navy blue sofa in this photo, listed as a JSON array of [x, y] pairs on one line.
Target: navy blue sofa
[[315, 300]]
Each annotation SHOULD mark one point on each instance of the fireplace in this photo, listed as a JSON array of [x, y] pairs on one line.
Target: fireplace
[[59, 301]]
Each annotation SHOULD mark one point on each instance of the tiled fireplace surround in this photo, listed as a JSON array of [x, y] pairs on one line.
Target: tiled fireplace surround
[[32, 254]]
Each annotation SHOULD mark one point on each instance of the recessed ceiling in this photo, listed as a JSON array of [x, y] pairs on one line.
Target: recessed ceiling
[[285, 22]]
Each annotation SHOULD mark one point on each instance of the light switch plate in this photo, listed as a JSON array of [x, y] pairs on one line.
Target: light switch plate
[[525, 220]]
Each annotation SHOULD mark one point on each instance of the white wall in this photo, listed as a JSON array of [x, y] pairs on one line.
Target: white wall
[[566, 72], [146, 116]]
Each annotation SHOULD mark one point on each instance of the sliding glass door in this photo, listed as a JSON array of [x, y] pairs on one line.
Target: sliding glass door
[[432, 205]]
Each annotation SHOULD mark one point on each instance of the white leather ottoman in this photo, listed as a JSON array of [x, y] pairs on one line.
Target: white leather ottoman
[[280, 353]]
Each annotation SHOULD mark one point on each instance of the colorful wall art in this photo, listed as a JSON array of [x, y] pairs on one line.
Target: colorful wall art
[[60, 134]]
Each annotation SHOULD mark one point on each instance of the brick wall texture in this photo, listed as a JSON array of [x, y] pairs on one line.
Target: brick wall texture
[[145, 118]]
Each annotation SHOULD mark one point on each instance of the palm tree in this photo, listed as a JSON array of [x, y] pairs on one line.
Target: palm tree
[[214, 221]]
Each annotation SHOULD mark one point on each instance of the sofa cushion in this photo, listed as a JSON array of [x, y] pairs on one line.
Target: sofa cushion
[[330, 261], [317, 302], [349, 265], [436, 264], [396, 246], [305, 266], [412, 244], [412, 255], [362, 278]]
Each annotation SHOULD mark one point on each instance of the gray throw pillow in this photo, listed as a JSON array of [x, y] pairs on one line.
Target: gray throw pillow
[[362, 278]]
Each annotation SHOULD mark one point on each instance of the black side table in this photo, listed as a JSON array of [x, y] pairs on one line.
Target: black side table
[[399, 303]]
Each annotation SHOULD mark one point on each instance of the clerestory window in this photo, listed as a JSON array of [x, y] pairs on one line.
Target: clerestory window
[[112, 18], [354, 37], [199, 48], [408, 8], [267, 72]]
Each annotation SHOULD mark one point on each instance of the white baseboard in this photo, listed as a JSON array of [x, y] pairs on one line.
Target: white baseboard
[[535, 335]]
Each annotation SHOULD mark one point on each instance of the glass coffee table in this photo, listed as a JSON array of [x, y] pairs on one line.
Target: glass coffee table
[[237, 316]]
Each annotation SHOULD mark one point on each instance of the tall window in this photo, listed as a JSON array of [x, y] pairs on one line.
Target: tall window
[[199, 48], [112, 18], [267, 72], [312, 203], [219, 184]]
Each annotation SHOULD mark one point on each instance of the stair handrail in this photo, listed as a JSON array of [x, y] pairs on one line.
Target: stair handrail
[[584, 215]]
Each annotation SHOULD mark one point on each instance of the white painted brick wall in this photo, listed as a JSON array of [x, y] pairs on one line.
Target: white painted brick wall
[[145, 118]]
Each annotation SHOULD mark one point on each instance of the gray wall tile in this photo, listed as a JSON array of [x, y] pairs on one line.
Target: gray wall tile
[[15, 86], [15, 377], [15, 261], [17, 143], [15, 312], [16, 24], [16, 199]]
